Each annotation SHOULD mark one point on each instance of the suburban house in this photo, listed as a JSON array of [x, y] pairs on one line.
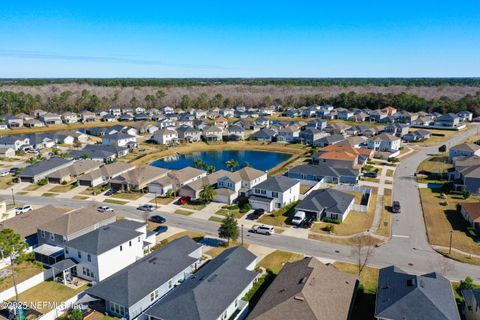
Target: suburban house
[[336, 128], [310, 135], [33, 123], [7, 152], [213, 133], [324, 173], [288, 134], [471, 304], [129, 292], [465, 115], [99, 152], [13, 121], [214, 292], [342, 156], [26, 224], [87, 116], [449, 120], [328, 140], [120, 139], [471, 213], [193, 189], [275, 193], [236, 132], [67, 174], [464, 150], [16, 142], [307, 290], [53, 234], [106, 250], [41, 169], [264, 135], [327, 204], [228, 187], [51, 119], [466, 173], [104, 174], [165, 136], [176, 179], [69, 117], [138, 178], [188, 134], [384, 142], [405, 296], [417, 135], [397, 129]]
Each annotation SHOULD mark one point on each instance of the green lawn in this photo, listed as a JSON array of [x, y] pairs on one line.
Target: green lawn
[[127, 195], [279, 217], [63, 188], [114, 201], [275, 260], [390, 173], [49, 194], [32, 187], [183, 212], [80, 197], [194, 205], [23, 271], [369, 179], [215, 219], [230, 209], [163, 200]]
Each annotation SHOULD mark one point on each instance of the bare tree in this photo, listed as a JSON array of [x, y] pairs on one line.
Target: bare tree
[[362, 251]]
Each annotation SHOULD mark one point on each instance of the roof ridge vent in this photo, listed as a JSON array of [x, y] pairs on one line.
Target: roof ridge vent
[[299, 298]]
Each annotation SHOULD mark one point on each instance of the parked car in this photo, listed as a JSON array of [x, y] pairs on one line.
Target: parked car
[[160, 229], [13, 170], [298, 218], [396, 207], [308, 221], [263, 229], [23, 209], [157, 219], [4, 173], [104, 209], [184, 200], [257, 213], [109, 192], [146, 207], [372, 174]]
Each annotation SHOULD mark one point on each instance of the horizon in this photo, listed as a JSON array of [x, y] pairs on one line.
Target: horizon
[[216, 40]]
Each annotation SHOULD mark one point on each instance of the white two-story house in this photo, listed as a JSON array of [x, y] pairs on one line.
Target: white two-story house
[[384, 143], [275, 193], [165, 136], [120, 139], [106, 250]]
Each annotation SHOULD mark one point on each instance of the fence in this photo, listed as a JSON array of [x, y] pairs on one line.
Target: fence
[[25, 285], [61, 309]]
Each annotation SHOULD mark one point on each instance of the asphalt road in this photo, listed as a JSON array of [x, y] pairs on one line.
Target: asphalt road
[[408, 248]]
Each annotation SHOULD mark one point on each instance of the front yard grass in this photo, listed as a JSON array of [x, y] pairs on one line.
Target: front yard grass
[[229, 210], [163, 200], [280, 217], [351, 241], [183, 212], [5, 182], [32, 187], [389, 173], [93, 191], [355, 222], [436, 164], [194, 205], [127, 195], [80, 197], [23, 271], [114, 201], [459, 257], [274, 261], [215, 219], [386, 221], [363, 178], [49, 194], [63, 188], [49, 291], [440, 220]]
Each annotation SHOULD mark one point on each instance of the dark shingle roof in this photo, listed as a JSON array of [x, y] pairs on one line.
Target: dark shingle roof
[[105, 238], [404, 296], [43, 166], [277, 184], [322, 170], [130, 285], [210, 291], [328, 199]]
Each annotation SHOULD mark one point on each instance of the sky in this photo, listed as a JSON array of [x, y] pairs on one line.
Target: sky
[[263, 38]]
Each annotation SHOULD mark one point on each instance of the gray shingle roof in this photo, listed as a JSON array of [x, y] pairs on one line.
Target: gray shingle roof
[[404, 296], [105, 238], [328, 199], [130, 285], [277, 184], [210, 291], [322, 170], [44, 166]]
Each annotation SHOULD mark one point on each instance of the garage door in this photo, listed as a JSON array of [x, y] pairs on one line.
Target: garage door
[[26, 179], [84, 183]]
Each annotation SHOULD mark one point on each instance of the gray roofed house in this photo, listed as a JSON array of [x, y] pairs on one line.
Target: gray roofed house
[[325, 173], [404, 296], [129, 292], [275, 193], [307, 290], [41, 169], [327, 203], [265, 134], [464, 150], [214, 292], [329, 140], [471, 304], [277, 184]]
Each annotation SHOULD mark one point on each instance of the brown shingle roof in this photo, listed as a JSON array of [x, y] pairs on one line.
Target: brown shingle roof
[[472, 209]]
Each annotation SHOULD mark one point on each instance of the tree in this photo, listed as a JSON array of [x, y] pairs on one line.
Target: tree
[[442, 148], [466, 284], [362, 250], [207, 193], [466, 194], [75, 314], [231, 164], [11, 246], [199, 164], [229, 228]]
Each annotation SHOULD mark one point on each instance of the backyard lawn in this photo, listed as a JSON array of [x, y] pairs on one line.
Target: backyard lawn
[[48, 294], [23, 271], [304, 188], [441, 219], [275, 260]]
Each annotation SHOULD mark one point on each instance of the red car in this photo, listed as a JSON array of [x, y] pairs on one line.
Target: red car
[[183, 200]]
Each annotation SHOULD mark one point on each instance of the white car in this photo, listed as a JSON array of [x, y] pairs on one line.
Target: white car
[[298, 218], [23, 209], [263, 229], [104, 209], [146, 207], [4, 173]]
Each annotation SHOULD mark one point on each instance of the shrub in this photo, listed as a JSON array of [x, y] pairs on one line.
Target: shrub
[[330, 220], [42, 182], [444, 203], [466, 284], [247, 207], [466, 194], [329, 228]]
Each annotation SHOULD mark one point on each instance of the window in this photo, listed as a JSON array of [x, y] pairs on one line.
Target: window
[[79, 255], [170, 284], [42, 233], [130, 243], [52, 236], [152, 296], [275, 194], [138, 239], [66, 250], [89, 258], [121, 248]]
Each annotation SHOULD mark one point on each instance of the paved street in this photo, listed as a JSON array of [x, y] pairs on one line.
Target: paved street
[[408, 248]]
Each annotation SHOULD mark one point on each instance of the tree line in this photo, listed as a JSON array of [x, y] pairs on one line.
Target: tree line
[[186, 82], [20, 102]]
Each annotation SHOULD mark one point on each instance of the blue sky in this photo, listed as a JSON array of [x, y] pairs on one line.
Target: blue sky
[[340, 38]]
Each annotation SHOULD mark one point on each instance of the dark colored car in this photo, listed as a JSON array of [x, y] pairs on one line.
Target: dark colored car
[[396, 207], [158, 219], [183, 200], [13, 170], [160, 229], [257, 213], [308, 221], [109, 192], [372, 174]]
